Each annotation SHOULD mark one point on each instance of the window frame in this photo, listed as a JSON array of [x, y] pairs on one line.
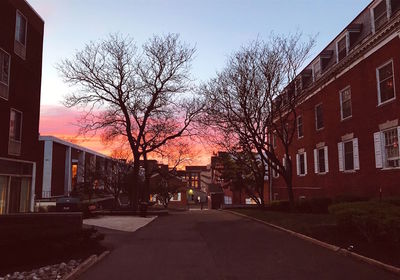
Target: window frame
[[346, 38], [341, 104], [384, 155], [302, 127], [318, 61], [298, 163], [18, 12], [316, 117], [378, 82], [20, 128], [344, 155], [372, 13], [317, 160], [9, 68]]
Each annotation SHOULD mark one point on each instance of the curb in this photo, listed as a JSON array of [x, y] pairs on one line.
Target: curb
[[85, 265], [328, 246]]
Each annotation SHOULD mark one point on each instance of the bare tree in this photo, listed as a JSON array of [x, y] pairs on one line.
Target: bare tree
[[253, 100], [141, 97]]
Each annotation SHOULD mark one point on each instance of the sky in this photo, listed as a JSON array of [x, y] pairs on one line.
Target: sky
[[216, 28]]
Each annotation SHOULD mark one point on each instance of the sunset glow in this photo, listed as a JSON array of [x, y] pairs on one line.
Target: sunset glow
[[62, 122]]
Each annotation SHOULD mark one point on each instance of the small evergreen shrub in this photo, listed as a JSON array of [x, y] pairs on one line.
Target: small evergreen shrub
[[375, 221]]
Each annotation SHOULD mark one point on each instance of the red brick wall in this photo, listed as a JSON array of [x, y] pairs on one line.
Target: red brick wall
[[25, 78], [365, 120]]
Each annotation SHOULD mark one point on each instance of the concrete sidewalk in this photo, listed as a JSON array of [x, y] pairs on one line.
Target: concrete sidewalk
[[121, 223]]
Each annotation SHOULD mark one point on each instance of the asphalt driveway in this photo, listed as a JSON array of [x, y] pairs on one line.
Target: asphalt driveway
[[220, 245]]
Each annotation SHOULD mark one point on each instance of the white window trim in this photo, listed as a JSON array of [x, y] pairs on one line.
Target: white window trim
[[378, 83], [346, 35], [315, 116], [316, 160], [342, 158], [372, 16], [298, 164], [297, 125], [20, 132], [379, 148], [26, 27], [341, 104], [318, 61]]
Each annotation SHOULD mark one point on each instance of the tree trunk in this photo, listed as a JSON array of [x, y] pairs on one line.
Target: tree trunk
[[134, 188]]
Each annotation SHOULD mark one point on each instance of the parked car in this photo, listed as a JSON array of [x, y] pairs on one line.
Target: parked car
[[68, 204]]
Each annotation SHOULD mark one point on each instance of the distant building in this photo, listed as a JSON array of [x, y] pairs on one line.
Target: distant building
[[21, 46], [63, 165], [348, 129]]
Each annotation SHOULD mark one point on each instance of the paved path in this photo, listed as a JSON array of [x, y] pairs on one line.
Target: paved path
[[121, 223], [218, 245]]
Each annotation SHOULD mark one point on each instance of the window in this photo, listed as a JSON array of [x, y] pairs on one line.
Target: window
[[20, 35], [321, 160], [301, 160], [384, 75], [275, 172], [345, 103], [341, 48], [227, 199], [387, 154], [348, 155], [379, 14], [4, 67], [15, 125], [316, 70], [20, 29], [273, 141], [4, 73], [319, 120], [300, 133], [391, 145]]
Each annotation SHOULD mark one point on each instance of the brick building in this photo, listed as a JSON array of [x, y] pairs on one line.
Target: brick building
[[21, 45], [348, 129]]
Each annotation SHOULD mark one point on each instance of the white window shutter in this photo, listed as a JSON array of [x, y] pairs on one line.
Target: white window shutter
[[340, 156], [298, 164], [326, 159], [378, 150], [356, 157], [305, 163], [315, 160], [398, 136]]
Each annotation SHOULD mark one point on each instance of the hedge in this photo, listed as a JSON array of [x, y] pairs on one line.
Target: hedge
[[375, 221]]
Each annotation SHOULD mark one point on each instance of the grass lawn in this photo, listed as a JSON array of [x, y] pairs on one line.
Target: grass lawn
[[323, 227]]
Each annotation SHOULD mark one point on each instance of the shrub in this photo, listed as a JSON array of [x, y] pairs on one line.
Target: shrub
[[375, 221], [279, 205], [349, 198], [314, 205]]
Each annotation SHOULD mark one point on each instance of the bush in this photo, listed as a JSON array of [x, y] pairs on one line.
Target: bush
[[349, 198], [313, 205], [375, 221], [279, 205]]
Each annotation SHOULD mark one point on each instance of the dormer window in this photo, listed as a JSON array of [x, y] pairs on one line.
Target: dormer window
[[341, 48], [380, 15], [316, 69]]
